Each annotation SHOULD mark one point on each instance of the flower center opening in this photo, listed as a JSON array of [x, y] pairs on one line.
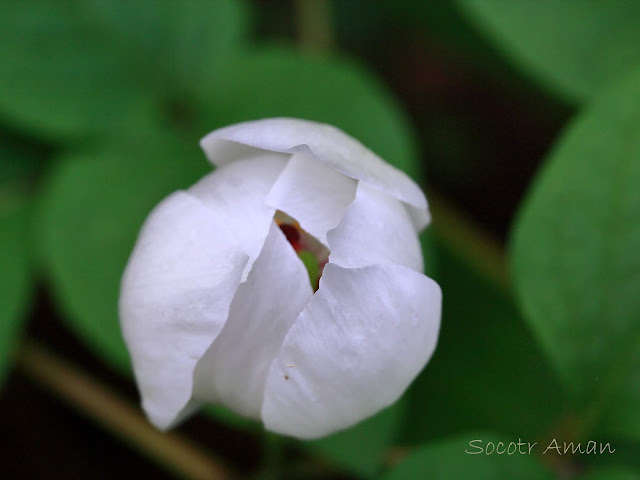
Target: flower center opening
[[313, 254]]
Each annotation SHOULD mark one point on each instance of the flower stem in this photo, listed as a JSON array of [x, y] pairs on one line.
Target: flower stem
[[115, 414], [313, 19]]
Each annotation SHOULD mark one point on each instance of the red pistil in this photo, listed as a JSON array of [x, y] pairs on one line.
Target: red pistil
[[311, 252], [292, 234]]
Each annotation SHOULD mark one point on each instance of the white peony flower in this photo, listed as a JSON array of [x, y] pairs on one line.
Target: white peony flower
[[217, 305]]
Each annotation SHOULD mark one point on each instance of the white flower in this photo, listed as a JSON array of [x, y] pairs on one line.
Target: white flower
[[217, 306]]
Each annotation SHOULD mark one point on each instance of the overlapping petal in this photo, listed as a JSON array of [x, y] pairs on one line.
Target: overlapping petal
[[328, 144], [316, 195], [363, 337], [175, 298], [234, 369], [376, 228], [238, 193]]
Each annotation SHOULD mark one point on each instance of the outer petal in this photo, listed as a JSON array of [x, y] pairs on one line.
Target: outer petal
[[234, 369], [329, 144], [376, 228], [175, 298], [313, 193], [362, 339], [238, 192]]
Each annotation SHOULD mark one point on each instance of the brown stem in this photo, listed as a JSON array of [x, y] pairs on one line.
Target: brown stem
[[474, 244], [115, 414], [313, 19]]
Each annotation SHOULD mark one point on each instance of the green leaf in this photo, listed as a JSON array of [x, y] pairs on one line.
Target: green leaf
[[179, 42], [76, 67], [277, 82], [449, 459], [361, 449], [625, 455], [487, 372], [611, 473], [16, 167], [575, 47], [94, 207], [60, 75], [576, 259], [14, 281]]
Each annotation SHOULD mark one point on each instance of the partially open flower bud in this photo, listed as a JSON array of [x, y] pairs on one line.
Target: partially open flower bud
[[286, 285]]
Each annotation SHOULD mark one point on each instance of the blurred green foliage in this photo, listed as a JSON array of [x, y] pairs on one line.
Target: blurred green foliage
[[612, 474], [575, 47], [91, 211], [278, 81], [73, 68], [15, 275], [576, 260], [103, 103], [487, 373], [362, 449], [447, 460]]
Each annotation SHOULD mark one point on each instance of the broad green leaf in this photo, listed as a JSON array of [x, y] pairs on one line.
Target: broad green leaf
[[72, 67], [14, 281], [179, 42], [576, 259], [449, 459], [94, 207], [576, 47], [362, 449], [487, 371], [277, 82], [625, 455], [61, 75], [15, 167], [612, 473]]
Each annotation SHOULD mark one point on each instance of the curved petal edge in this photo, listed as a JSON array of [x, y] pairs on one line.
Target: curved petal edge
[[327, 143], [175, 298], [363, 338]]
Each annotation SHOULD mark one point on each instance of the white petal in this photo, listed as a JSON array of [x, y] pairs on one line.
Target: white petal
[[421, 217], [376, 228], [313, 193], [362, 339], [238, 191], [234, 369], [175, 298], [329, 144]]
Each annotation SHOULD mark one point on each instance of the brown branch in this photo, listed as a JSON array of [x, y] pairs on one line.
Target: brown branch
[[115, 414], [313, 21], [473, 243]]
